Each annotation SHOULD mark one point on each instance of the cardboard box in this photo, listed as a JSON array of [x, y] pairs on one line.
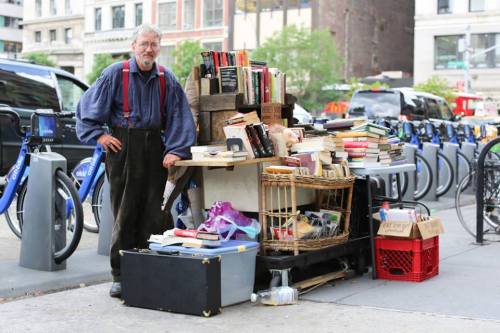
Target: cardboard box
[[404, 229]]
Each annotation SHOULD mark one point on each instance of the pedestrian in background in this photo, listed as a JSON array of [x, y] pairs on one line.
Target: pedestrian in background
[[149, 127]]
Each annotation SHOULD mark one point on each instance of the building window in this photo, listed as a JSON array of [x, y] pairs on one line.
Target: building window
[[10, 22], [497, 51], [11, 47], [188, 15], [479, 43], [167, 55], [167, 16], [118, 16], [38, 8], [97, 19], [446, 55], [53, 35], [67, 7], [476, 5], [53, 10], [444, 6], [212, 46], [212, 13], [68, 35], [138, 14], [38, 36]]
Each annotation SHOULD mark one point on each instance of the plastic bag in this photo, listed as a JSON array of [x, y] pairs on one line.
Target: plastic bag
[[227, 221]]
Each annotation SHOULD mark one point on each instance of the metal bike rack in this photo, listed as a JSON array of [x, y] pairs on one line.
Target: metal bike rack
[[409, 152], [430, 154], [480, 189], [450, 151], [40, 239], [106, 224], [468, 150]]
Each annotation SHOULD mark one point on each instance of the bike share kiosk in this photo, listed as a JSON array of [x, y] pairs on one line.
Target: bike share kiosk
[[44, 229], [106, 225]]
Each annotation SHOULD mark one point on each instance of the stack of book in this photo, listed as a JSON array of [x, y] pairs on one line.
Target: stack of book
[[252, 133], [187, 238], [321, 155], [369, 145], [217, 153], [396, 151]]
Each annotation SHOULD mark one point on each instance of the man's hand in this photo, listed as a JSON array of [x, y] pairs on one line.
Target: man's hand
[[169, 160], [110, 143]]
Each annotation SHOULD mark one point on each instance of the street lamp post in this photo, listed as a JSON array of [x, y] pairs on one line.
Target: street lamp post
[[466, 59], [468, 55]]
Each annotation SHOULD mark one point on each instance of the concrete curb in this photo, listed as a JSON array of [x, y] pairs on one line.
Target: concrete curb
[[84, 267]]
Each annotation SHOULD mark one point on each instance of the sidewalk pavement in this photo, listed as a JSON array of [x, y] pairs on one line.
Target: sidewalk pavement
[[463, 297]]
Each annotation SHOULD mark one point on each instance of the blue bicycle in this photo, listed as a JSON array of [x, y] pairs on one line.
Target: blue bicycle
[[88, 177], [16, 184]]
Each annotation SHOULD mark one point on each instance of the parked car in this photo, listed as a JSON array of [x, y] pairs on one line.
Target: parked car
[[301, 116], [26, 87], [398, 103]]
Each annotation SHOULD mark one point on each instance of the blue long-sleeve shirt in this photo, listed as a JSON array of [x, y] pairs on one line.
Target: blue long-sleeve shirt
[[102, 104]]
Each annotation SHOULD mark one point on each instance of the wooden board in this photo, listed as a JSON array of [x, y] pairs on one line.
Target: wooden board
[[221, 102], [226, 164]]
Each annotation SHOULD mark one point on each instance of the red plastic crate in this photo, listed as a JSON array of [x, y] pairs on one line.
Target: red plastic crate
[[406, 259]]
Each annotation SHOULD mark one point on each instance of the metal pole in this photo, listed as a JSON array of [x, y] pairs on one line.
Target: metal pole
[[466, 59], [480, 190]]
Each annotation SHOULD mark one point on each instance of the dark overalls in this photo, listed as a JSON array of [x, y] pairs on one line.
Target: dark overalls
[[137, 180]]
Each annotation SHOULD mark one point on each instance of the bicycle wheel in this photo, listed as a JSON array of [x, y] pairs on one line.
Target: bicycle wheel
[[464, 166], [423, 177], [445, 174], [97, 196], [11, 214], [72, 223], [403, 179], [465, 206]]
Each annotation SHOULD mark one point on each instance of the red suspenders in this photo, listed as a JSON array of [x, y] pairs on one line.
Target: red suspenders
[[126, 109]]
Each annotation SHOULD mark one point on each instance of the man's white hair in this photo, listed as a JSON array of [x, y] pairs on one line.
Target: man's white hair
[[145, 28]]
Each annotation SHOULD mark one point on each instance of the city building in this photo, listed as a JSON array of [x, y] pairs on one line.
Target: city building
[[55, 27], [440, 30], [11, 34], [109, 25], [371, 36]]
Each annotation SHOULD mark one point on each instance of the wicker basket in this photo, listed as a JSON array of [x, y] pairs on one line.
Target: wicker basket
[[279, 210]]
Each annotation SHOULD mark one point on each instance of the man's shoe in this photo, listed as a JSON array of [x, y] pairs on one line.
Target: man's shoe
[[116, 290]]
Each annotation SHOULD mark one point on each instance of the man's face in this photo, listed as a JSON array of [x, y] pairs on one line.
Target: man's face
[[146, 48]]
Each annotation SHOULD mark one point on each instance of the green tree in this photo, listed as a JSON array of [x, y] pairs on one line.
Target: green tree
[[101, 61], [438, 86], [309, 59], [186, 55], [39, 58]]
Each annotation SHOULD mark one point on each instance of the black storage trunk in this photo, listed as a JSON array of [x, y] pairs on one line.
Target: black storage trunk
[[171, 282]]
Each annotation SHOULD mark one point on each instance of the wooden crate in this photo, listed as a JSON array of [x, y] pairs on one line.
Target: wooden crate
[[271, 113], [214, 109], [211, 126]]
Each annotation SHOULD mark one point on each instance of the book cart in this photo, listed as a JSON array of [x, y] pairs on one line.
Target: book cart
[[283, 246]]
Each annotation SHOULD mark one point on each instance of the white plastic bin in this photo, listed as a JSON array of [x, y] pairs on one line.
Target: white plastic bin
[[237, 267]]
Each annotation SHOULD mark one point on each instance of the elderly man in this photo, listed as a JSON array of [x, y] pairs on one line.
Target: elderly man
[[149, 127]]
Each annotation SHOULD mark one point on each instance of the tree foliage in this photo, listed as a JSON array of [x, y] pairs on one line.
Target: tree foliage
[[309, 59], [438, 86], [101, 61], [186, 55], [40, 58]]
